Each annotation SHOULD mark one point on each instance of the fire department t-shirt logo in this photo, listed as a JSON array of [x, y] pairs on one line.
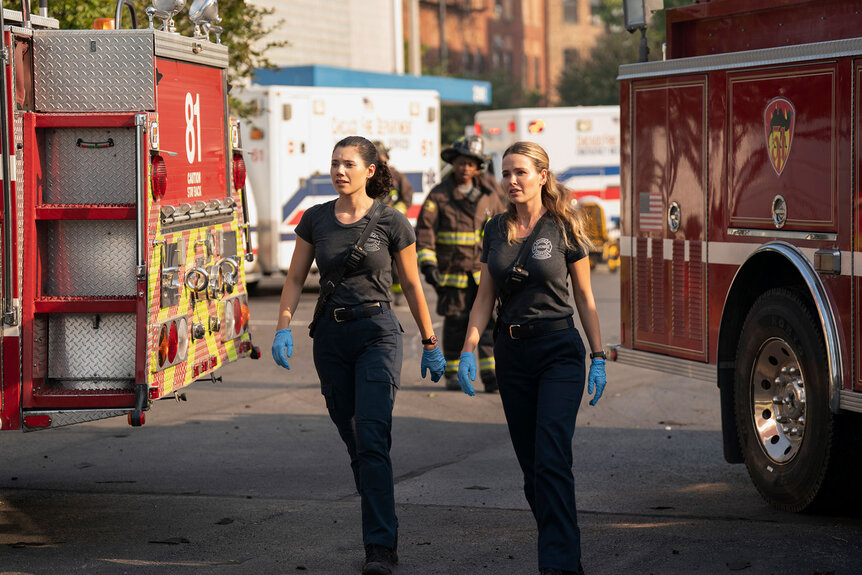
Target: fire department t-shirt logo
[[542, 249], [372, 244], [779, 120]]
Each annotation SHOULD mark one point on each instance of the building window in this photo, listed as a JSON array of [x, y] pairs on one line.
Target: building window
[[570, 11]]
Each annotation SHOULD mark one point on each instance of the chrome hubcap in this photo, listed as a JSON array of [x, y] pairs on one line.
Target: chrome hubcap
[[778, 400]]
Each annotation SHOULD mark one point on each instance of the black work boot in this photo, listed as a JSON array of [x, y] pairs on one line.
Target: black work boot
[[379, 560], [551, 571]]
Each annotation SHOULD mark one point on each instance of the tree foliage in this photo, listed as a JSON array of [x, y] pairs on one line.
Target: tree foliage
[[592, 81], [244, 31]]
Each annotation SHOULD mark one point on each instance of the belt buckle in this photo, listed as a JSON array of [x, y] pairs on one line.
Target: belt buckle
[[335, 314], [512, 335]]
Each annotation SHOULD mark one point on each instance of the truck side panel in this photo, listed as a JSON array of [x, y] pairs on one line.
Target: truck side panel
[[669, 151]]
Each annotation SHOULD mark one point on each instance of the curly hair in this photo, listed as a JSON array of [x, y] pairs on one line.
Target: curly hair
[[555, 199], [380, 184]]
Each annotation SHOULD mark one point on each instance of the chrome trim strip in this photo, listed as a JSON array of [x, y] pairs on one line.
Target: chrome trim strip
[[821, 302], [745, 59], [665, 363], [850, 400], [755, 233], [140, 129]]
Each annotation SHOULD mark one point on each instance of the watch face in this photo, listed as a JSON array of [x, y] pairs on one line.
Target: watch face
[[430, 341]]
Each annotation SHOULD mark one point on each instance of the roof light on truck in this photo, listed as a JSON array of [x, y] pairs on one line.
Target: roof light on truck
[[159, 177], [477, 129]]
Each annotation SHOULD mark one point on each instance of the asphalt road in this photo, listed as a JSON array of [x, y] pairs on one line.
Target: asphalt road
[[249, 476]]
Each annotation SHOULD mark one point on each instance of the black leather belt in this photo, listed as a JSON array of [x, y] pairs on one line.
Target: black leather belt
[[342, 314], [537, 328]]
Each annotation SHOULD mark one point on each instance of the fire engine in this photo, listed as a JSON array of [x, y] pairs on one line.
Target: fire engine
[[741, 209], [123, 228]]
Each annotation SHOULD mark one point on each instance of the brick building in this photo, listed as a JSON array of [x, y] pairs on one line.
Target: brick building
[[572, 30], [530, 41]]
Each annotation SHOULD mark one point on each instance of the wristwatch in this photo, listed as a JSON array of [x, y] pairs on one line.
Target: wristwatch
[[430, 341], [598, 355]]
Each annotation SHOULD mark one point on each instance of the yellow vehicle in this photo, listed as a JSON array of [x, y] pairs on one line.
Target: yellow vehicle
[[606, 243]]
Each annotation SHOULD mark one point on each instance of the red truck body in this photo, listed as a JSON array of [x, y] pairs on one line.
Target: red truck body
[[740, 218]]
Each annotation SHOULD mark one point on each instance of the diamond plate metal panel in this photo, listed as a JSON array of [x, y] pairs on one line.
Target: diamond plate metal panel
[[77, 175], [64, 418], [90, 258], [97, 350], [94, 70]]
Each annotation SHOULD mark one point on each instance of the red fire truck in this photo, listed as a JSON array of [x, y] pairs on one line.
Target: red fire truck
[[741, 212], [123, 225]]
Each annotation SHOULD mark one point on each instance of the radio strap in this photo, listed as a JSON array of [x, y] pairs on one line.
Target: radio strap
[[503, 293], [352, 259]]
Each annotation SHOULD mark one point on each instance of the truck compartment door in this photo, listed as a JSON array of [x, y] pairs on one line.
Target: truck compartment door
[[669, 151]]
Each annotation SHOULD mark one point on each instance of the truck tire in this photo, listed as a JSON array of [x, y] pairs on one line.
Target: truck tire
[[781, 400]]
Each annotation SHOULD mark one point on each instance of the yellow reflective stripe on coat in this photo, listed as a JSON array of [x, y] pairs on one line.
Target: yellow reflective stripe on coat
[[455, 280], [426, 256], [487, 363], [452, 365], [458, 238], [476, 277]]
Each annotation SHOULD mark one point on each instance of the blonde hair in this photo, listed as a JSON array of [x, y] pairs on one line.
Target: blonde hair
[[555, 199]]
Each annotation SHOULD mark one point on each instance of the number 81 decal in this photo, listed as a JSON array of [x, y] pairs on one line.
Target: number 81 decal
[[193, 127]]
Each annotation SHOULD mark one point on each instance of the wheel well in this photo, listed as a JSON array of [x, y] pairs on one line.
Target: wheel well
[[762, 272]]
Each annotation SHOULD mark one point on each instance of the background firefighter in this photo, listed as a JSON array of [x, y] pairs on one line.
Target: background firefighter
[[449, 243], [399, 197]]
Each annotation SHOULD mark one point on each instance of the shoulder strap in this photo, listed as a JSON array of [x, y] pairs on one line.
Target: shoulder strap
[[354, 255], [522, 253]]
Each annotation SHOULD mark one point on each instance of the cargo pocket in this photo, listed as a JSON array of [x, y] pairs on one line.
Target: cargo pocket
[[379, 378]]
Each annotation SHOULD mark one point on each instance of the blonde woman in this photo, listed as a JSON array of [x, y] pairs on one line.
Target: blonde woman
[[529, 254]]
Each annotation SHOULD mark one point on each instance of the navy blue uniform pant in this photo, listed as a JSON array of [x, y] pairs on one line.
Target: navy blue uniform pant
[[359, 365], [541, 383]]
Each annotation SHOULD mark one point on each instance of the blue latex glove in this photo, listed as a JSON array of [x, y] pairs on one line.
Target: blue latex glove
[[433, 359], [597, 379], [467, 373], [282, 346]]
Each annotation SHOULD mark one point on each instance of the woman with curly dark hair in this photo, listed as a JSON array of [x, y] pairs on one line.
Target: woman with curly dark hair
[[357, 337]]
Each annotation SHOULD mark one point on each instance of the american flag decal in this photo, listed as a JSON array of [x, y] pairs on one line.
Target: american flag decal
[[650, 216]]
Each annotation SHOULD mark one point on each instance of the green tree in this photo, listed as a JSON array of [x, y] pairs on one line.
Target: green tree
[[592, 81], [244, 31]]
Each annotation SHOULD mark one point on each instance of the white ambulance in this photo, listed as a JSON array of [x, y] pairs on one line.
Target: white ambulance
[[582, 142], [288, 148]]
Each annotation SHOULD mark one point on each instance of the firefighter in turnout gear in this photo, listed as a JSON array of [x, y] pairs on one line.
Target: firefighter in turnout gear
[[449, 243]]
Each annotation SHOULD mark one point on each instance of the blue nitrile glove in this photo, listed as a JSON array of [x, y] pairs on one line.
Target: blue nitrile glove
[[597, 379], [433, 359], [282, 346], [467, 373]]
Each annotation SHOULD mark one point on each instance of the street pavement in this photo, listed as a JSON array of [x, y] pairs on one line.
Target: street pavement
[[249, 476]]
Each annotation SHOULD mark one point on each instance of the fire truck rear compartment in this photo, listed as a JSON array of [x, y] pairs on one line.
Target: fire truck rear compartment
[[85, 323]]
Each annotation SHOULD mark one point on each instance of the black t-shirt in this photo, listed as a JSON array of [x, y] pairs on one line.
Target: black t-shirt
[[372, 280], [545, 295]]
